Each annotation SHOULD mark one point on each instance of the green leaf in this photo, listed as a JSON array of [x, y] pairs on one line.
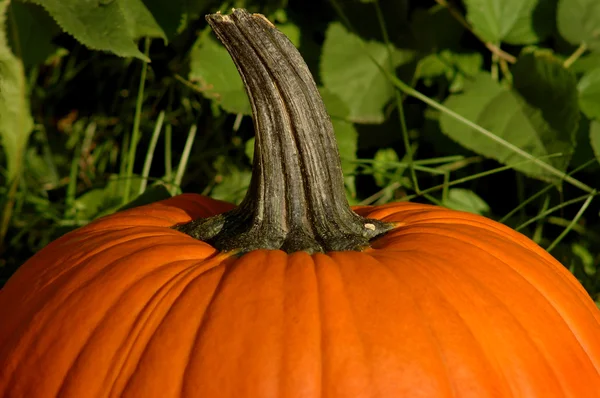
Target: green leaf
[[213, 69], [107, 25], [589, 94], [232, 181], [455, 67], [347, 71], [30, 33], [16, 123], [347, 137], [345, 134], [99, 202], [546, 85], [583, 151], [381, 166], [170, 15], [595, 137], [291, 31], [579, 22], [249, 149], [511, 21], [540, 115], [152, 194], [466, 200]]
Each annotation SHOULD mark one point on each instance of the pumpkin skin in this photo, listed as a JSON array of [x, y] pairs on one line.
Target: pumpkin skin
[[448, 304]]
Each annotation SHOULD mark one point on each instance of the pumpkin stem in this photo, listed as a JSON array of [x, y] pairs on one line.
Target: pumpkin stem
[[296, 199]]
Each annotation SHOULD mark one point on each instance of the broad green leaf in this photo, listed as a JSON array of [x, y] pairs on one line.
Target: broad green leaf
[[41, 167], [545, 84], [16, 123], [579, 22], [454, 66], [108, 25], [589, 94], [345, 134], [511, 21], [99, 202], [30, 33], [595, 137], [292, 32], [583, 151], [152, 194], [347, 137], [170, 15], [540, 116], [466, 200], [347, 71], [213, 70], [232, 181], [249, 149]]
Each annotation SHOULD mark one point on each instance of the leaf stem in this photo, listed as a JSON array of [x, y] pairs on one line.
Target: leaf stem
[[552, 170], [494, 49], [573, 221], [150, 153], [575, 56], [556, 208], [135, 135], [398, 99]]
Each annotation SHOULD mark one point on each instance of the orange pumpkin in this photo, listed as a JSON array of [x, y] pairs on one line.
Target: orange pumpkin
[[294, 295]]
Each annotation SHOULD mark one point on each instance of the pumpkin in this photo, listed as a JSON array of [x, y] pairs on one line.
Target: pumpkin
[[292, 293]]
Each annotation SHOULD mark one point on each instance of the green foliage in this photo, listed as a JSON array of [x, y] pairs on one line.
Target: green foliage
[[15, 118], [350, 66], [578, 22], [466, 200], [212, 69], [511, 21], [109, 25], [485, 106], [589, 93], [539, 115]]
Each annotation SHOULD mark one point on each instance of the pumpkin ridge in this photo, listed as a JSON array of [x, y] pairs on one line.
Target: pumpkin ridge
[[181, 284], [49, 318], [500, 376], [561, 313], [111, 244], [516, 321], [424, 320], [486, 293], [331, 288], [351, 305], [552, 266], [227, 269], [140, 325]]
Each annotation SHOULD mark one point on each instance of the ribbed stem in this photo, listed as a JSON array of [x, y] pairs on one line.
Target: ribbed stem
[[296, 200]]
